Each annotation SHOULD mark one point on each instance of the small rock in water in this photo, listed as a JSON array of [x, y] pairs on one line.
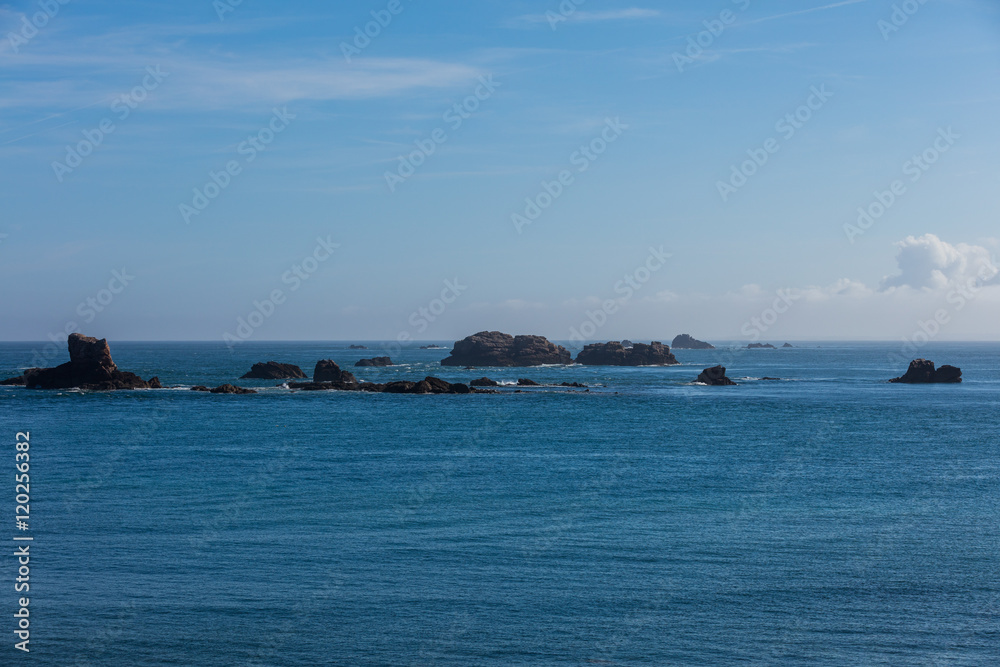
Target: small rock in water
[[273, 370], [922, 371], [375, 361], [715, 377]]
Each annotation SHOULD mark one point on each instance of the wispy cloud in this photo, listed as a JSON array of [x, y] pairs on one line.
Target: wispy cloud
[[629, 14], [218, 83], [805, 11]]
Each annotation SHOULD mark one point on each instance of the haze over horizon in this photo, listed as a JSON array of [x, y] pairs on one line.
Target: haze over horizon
[[174, 168]]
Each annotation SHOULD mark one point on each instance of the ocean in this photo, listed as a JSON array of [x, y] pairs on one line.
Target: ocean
[[826, 518]]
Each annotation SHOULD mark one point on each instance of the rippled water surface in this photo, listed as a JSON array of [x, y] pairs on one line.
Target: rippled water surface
[[825, 518]]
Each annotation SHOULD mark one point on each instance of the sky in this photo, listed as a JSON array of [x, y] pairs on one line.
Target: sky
[[422, 170]]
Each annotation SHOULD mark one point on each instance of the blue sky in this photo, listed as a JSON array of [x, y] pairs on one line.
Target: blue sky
[[612, 96]]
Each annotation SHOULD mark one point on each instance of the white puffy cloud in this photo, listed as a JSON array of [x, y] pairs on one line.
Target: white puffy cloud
[[927, 262]]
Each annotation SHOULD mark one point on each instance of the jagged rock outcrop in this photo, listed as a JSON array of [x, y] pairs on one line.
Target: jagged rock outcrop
[[687, 342], [13, 382], [484, 382], [377, 362], [327, 370], [715, 377], [429, 385], [761, 346], [231, 389], [493, 348], [525, 382], [273, 370], [922, 371], [89, 367], [787, 345], [615, 354]]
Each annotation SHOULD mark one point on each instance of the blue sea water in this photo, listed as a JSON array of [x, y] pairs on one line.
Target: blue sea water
[[828, 518]]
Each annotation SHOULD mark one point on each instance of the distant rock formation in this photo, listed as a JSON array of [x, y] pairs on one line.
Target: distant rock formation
[[615, 354], [327, 370], [484, 382], [429, 385], [493, 348], [230, 389], [715, 377], [90, 367], [357, 347], [375, 361], [432, 347], [525, 382], [272, 370], [627, 344], [922, 371], [761, 346], [787, 345], [687, 342]]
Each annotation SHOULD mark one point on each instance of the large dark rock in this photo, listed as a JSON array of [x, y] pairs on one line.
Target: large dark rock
[[13, 382], [230, 389], [525, 382], [429, 385], [90, 367], [493, 348], [484, 382], [327, 370], [272, 370], [378, 362], [687, 342], [615, 354], [715, 377], [922, 371]]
